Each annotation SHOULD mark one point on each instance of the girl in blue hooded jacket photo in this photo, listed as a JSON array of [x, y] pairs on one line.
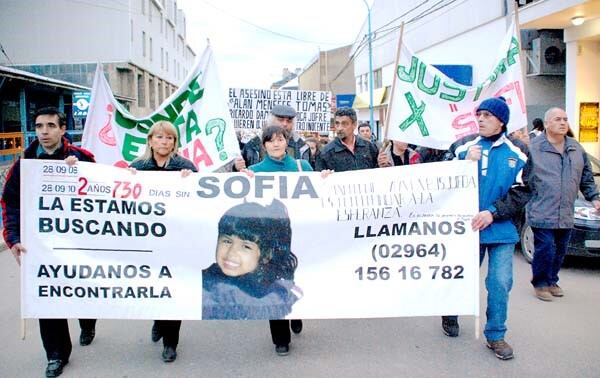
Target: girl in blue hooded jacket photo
[[253, 276]]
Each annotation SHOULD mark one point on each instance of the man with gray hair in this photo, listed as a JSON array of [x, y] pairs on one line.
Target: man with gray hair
[[557, 169], [284, 116]]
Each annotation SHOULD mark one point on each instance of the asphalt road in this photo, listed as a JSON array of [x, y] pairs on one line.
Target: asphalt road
[[557, 339]]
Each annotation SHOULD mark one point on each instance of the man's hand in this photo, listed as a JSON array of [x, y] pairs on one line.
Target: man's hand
[[326, 172], [482, 220], [474, 153], [71, 160], [383, 160], [596, 204], [239, 164], [248, 172], [186, 172], [17, 250]]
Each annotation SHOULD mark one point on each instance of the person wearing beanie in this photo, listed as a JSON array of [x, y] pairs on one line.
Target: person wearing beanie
[[500, 166]]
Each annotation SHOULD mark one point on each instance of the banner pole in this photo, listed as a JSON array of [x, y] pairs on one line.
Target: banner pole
[[23, 329], [391, 100], [518, 31]]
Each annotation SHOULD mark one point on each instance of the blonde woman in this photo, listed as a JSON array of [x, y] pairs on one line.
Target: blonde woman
[[161, 155]]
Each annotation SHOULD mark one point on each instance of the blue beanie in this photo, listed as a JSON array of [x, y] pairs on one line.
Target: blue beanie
[[497, 106]]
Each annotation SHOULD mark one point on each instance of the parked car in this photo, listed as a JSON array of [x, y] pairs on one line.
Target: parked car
[[585, 239]]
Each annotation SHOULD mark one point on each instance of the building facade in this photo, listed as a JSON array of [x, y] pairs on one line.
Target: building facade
[[468, 33], [330, 70], [141, 43]]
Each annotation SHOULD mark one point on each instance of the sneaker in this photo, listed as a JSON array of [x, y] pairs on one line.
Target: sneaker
[[155, 335], [169, 354], [543, 293], [556, 291], [501, 349], [55, 368], [296, 326], [282, 350], [87, 336], [450, 326]]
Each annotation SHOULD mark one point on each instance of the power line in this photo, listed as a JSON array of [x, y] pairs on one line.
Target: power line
[[6, 55], [390, 30]]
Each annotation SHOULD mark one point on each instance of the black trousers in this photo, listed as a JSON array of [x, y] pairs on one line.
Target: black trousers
[[169, 329], [56, 338], [280, 331]]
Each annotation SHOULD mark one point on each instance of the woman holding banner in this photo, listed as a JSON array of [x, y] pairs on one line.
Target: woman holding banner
[[161, 155], [274, 140]]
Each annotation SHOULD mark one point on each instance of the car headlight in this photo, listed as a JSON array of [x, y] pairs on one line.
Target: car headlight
[[586, 213]]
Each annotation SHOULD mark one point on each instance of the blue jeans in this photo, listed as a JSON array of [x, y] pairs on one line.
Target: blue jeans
[[550, 249], [498, 283]]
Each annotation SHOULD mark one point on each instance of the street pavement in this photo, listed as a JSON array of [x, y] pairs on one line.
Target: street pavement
[[557, 339]]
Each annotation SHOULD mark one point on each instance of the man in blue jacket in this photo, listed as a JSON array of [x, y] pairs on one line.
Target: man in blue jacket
[[558, 168], [50, 125], [500, 168]]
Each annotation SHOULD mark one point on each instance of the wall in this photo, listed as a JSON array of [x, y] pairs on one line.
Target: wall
[[60, 31]]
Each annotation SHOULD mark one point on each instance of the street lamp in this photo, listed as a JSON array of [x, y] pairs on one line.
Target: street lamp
[[371, 122]]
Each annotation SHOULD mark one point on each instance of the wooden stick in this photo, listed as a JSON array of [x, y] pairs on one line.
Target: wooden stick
[[22, 329], [386, 126]]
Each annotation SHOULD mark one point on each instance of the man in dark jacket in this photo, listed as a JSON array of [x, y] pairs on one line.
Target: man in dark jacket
[[347, 152], [557, 169], [50, 144], [280, 115], [500, 166]]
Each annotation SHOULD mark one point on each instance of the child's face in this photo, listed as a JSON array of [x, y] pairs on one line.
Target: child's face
[[236, 256]]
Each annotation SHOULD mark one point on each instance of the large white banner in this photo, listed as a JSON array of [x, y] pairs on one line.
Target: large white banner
[[198, 109], [103, 242], [250, 108], [430, 109]]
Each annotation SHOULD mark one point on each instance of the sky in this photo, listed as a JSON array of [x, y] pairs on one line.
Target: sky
[[248, 57]]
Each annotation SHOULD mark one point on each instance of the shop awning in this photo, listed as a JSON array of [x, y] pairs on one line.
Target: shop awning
[[362, 99]]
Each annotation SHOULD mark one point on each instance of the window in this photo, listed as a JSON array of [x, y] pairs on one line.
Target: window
[[377, 79], [152, 93], [162, 25], [167, 60], [173, 32], [358, 84], [131, 23], [161, 93], [162, 58], [143, 43], [150, 49], [365, 82], [150, 6], [141, 91], [143, 6]]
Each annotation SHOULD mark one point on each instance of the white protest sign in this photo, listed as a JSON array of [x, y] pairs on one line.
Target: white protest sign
[[198, 110], [429, 109], [249, 108], [103, 242]]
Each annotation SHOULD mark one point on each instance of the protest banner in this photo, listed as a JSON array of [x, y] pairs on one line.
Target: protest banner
[[429, 109], [103, 242], [250, 108], [197, 109]]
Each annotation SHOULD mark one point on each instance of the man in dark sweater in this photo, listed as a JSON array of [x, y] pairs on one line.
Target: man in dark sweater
[[50, 125], [347, 152]]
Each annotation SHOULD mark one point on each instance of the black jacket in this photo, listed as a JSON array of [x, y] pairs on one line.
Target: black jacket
[[176, 163], [338, 157]]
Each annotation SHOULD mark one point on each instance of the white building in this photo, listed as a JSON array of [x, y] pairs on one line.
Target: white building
[[142, 44], [468, 32]]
